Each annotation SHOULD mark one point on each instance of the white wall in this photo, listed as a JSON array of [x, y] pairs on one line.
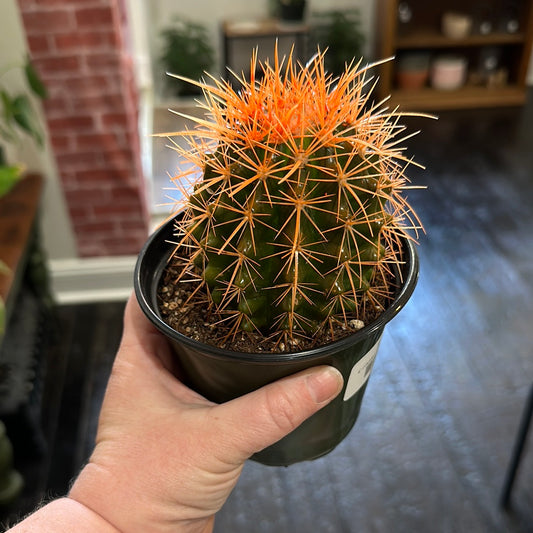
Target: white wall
[[212, 13], [56, 228]]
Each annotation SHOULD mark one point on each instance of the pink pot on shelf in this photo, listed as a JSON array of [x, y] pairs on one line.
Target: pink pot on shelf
[[412, 71], [448, 72]]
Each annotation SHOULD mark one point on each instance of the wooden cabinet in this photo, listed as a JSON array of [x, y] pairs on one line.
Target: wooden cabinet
[[240, 38], [500, 38], [28, 316]]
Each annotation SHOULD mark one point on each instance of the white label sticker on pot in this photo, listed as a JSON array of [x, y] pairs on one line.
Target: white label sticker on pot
[[361, 371]]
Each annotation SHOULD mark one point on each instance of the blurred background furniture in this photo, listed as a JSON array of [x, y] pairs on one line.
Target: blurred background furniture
[[496, 44], [264, 33], [27, 314]]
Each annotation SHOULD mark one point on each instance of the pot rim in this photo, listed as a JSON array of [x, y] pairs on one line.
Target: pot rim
[[145, 296]]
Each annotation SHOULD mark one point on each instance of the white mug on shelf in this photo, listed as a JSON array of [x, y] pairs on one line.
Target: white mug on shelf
[[456, 25]]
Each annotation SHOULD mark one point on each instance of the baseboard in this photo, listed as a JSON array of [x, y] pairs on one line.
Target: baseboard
[[95, 279]]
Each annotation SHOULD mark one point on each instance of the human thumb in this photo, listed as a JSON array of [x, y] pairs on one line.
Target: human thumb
[[261, 418]]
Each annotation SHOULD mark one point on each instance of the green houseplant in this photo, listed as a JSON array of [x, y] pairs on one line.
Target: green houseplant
[[340, 32], [17, 119], [186, 52], [293, 249]]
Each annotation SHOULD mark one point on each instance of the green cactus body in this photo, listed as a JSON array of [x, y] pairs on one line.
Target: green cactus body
[[294, 225]]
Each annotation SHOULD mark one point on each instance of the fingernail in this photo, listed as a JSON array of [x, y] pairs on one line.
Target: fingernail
[[324, 384]]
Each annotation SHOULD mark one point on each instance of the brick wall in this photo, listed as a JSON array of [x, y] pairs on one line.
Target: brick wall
[[80, 49]]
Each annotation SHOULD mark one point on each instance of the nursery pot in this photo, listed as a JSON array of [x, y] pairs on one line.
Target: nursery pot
[[221, 375], [291, 12]]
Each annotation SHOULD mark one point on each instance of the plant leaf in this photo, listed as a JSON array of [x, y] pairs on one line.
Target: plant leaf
[[7, 131], [23, 114], [9, 175], [4, 269], [34, 81], [7, 105]]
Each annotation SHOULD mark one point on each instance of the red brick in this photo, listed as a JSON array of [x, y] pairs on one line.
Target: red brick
[[93, 250], [55, 89], [81, 213], [68, 179], [115, 119], [40, 22], [125, 193], [59, 64], [56, 107], [86, 197], [118, 158], [90, 249], [107, 176], [45, 3], [100, 225], [90, 84], [79, 160], [136, 226], [94, 40], [102, 141], [71, 123], [103, 61], [123, 245], [96, 17], [129, 213], [79, 48], [69, 41], [62, 143], [39, 45], [103, 102], [26, 4], [48, 3]]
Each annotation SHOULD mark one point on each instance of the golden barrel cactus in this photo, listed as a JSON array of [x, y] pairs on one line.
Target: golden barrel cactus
[[300, 209]]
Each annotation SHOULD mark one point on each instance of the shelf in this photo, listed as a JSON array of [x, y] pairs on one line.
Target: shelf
[[428, 99], [423, 33], [428, 39], [262, 28]]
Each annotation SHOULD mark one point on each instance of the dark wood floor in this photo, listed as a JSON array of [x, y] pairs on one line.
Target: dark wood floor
[[431, 446], [78, 362]]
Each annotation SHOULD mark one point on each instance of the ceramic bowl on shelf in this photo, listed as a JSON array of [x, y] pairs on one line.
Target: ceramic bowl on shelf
[[448, 72], [456, 25]]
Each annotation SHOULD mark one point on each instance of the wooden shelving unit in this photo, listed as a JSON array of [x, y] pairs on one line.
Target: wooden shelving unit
[[18, 211], [423, 33], [235, 33]]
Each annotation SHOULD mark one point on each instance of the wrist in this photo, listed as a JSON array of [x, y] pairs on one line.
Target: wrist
[[130, 512], [63, 516]]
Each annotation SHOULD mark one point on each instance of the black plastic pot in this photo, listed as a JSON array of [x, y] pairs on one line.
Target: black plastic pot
[[291, 12], [221, 375]]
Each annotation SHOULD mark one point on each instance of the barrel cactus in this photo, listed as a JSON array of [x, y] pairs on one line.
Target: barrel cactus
[[299, 213]]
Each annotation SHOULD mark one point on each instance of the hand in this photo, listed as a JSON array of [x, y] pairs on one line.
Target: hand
[[166, 459]]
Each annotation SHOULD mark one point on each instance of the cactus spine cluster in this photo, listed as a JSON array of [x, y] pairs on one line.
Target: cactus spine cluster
[[298, 215]]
